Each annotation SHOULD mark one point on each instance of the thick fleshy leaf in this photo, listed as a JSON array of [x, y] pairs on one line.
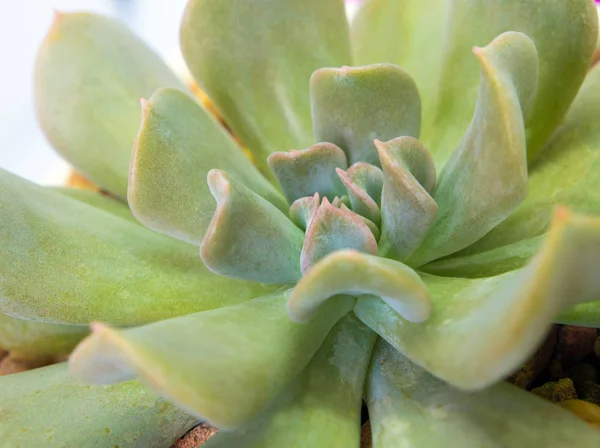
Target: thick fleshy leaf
[[364, 183], [355, 273], [303, 210], [30, 339], [309, 171], [98, 200], [333, 229], [370, 224], [407, 209], [248, 237], [486, 176], [409, 407], [90, 74], [566, 173], [178, 143], [64, 261], [432, 40], [254, 59], [408, 33], [321, 408], [486, 264], [509, 314], [48, 407], [244, 355], [351, 106]]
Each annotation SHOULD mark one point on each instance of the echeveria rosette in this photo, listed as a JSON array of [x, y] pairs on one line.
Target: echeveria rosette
[[414, 249]]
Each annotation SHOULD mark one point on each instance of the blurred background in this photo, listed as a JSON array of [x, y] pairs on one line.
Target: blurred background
[[23, 25]]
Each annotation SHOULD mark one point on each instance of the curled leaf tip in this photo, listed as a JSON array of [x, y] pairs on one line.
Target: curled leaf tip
[[355, 273]]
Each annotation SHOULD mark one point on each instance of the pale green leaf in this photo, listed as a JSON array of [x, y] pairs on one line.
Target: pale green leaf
[[352, 106], [243, 356], [98, 200], [309, 171], [486, 176], [355, 273], [481, 330], [254, 59], [410, 34], [31, 339], [47, 407], [432, 40], [407, 209], [248, 238], [90, 74], [321, 408], [333, 229], [177, 144], [409, 407], [64, 261], [566, 172]]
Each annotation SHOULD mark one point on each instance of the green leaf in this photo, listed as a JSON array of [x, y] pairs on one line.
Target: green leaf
[[31, 339], [409, 407], [321, 408], [333, 229], [309, 171], [243, 356], [63, 261], [254, 59], [364, 183], [351, 106], [510, 314], [90, 74], [355, 273], [565, 173], [303, 210], [47, 407], [248, 237], [178, 143], [407, 209], [432, 40], [486, 176], [410, 34], [98, 200], [486, 264]]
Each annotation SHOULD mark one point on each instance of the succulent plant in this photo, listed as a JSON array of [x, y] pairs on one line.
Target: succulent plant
[[413, 248]]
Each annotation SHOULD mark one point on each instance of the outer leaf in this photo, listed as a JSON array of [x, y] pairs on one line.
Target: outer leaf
[[509, 314], [48, 407], [409, 407], [244, 355], [408, 33], [321, 408], [407, 209], [257, 75], [566, 173], [248, 237], [309, 171], [64, 261], [32, 339], [98, 200], [432, 39], [333, 229], [352, 272], [90, 74], [564, 59], [178, 143], [486, 176], [351, 106]]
